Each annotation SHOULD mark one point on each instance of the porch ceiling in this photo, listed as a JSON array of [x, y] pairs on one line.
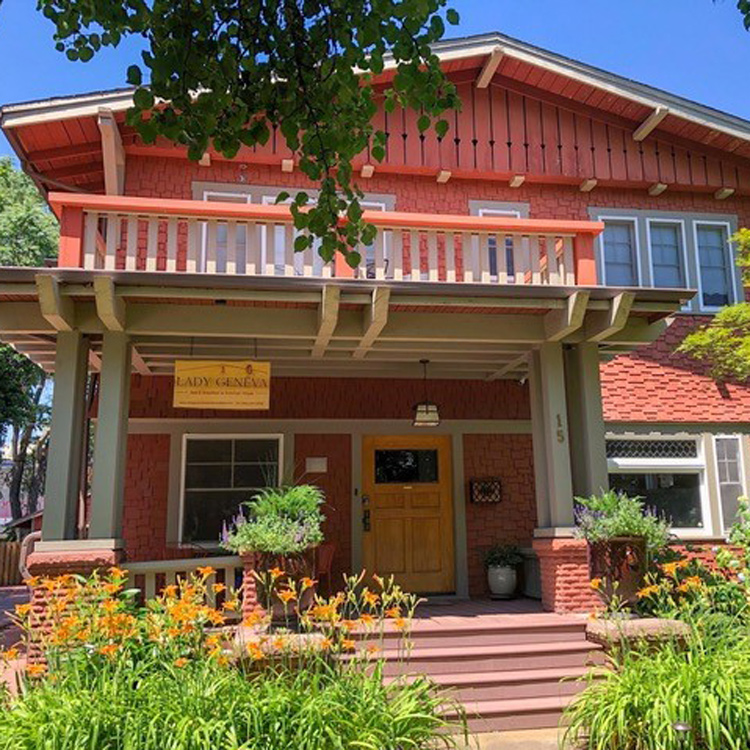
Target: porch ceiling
[[323, 327]]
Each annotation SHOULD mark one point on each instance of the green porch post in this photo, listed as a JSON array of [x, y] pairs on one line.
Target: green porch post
[[550, 406], [589, 459], [107, 490], [66, 437]]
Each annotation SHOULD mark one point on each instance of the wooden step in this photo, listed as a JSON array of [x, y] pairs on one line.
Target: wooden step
[[462, 659], [513, 714]]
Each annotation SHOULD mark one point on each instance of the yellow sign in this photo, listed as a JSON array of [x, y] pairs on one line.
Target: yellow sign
[[211, 384]]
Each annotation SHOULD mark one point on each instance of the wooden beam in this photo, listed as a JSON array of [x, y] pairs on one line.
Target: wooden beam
[[57, 310], [328, 317], [517, 180], [650, 123], [95, 361], [376, 316], [139, 364], [65, 152], [113, 153], [491, 64], [443, 176], [602, 325], [561, 323], [588, 185], [657, 189], [723, 193], [511, 366], [109, 307], [367, 171]]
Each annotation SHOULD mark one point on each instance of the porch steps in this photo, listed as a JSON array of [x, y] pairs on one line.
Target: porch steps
[[510, 672]]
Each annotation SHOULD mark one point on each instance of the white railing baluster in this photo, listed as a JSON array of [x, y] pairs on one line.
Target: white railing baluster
[[211, 232], [450, 256], [467, 255], [113, 229], [568, 274], [379, 255], [172, 244], [193, 246], [289, 250], [536, 275], [398, 254], [552, 272], [308, 260], [89, 240], [416, 264], [131, 245], [433, 268], [231, 266], [149, 588], [253, 240], [520, 258], [152, 243], [270, 249]]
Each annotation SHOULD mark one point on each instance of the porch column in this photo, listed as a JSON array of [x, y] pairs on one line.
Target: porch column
[[556, 478], [108, 485], [66, 437], [588, 458]]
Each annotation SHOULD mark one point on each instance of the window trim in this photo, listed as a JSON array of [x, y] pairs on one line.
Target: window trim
[[695, 465], [731, 281], [743, 475], [684, 254], [278, 436], [636, 250]]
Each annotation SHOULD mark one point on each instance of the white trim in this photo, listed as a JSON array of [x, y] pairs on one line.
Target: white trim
[[636, 249], [743, 475], [279, 437], [695, 465], [732, 283], [683, 239]]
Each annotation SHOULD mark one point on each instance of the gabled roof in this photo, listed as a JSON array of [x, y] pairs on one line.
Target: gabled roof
[[450, 51]]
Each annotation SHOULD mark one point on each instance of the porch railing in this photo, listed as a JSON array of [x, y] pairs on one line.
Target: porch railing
[[182, 236], [152, 576]]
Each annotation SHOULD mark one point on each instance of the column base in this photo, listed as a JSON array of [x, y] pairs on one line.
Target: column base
[[564, 568], [251, 606]]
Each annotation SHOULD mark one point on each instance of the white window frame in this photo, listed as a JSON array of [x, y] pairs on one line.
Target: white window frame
[[743, 476], [730, 263], [278, 436], [671, 466], [683, 240], [636, 249]]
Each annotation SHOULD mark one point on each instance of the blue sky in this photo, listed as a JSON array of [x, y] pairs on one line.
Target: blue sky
[[695, 48]]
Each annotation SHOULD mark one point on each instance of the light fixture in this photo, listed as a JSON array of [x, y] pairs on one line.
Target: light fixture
[[425, 412]]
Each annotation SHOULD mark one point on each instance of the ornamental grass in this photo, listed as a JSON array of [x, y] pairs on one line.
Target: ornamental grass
[[171, 675]]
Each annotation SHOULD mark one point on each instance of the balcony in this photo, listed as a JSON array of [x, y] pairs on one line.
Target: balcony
[[116, 233]]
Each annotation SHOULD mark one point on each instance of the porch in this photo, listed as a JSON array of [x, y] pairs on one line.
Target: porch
[[507, 311]]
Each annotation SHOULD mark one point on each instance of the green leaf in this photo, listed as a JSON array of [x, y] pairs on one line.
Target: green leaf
[[134, 75], [452, 17], [423, 123]]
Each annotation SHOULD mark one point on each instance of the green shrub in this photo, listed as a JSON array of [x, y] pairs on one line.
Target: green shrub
[[283, 521], [615, 514], [650, 692], [503, 556], [203, 705]]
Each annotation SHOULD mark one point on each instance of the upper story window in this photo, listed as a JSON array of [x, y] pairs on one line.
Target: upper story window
[[620, 255], [670, 250], [667, 253], [714, 264]]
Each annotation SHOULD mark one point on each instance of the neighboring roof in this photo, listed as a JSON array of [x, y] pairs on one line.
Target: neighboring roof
[[82, 105]]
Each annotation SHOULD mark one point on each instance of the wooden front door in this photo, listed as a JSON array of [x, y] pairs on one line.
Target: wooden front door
[[407, 511]]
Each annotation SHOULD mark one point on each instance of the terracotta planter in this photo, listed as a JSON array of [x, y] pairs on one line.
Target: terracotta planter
[[621, 564]]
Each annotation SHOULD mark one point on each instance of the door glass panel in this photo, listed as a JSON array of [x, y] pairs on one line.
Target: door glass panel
[[406, 466]]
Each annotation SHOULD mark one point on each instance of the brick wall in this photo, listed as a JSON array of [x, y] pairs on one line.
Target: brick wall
[[336, 483], [512, 521], [348, 398]]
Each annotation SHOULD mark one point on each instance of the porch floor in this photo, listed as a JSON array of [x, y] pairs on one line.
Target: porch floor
[[448, 611]]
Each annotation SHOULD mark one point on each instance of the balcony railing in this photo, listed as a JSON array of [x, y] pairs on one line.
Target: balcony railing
[[183, 236]]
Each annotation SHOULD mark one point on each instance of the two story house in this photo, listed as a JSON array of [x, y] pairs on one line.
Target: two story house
[[506, 344]]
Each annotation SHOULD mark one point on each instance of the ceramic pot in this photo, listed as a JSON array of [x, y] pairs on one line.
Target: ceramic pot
[[502, 582]]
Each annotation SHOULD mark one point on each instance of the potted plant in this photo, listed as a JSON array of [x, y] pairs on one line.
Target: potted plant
[[622, 536], [501, 562], [277, 531]]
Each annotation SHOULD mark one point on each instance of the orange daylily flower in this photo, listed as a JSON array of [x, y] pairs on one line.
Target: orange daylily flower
[[36, 670], [393, 612], [399, 623], [276, 573], [206, 572], [181, 662], [32, 582], [116, 572], [10, 654], [219, 587], [286, 596], [348, 644], [23, 609], [307, 583], [109, 650], [596, 583], [231, 605], [255, 651]]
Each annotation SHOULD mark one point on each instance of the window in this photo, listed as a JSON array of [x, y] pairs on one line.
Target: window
[[620, 253], [668, 473], [406, 466], [729, 477], [667, 253], [219, 474], [715, 273], [221, 231]]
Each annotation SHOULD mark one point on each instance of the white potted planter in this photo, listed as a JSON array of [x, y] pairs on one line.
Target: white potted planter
[[501, 562]]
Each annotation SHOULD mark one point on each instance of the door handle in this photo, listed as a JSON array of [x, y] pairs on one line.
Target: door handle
[[365, 520]]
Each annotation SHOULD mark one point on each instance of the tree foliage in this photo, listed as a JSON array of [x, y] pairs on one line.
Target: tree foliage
[[28, 236], [723, 344], [233, 73]]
